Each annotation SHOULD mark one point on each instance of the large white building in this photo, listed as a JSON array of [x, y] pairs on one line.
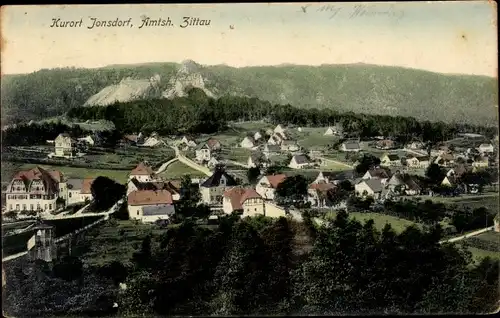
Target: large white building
[[143, 173], [65, 146], [78, 191], [35, 190], [150, 206], [246, 201]]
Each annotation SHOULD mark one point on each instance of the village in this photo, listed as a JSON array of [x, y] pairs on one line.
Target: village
[[221, 167]]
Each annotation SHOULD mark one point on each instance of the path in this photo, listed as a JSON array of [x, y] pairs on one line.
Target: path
[[417, 153], [188, 162], [165, 165], [335, 161], [459, 238], [236, 163]]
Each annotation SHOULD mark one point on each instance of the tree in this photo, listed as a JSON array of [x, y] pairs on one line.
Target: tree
[[253, 174], [366, 162], [106, 193], [274, 169], [435, 173], [292, 190]]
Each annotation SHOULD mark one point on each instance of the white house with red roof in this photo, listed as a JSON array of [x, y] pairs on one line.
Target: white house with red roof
[[35, 190], [150, 205], [143, 173], [78, 191], [267, 185], [244, 200]]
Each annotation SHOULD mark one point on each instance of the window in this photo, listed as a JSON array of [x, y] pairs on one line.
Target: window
[[50, 206], [255, 209], [31, 207], [137, 212], [24, 207], [17, 206], [70, 194]]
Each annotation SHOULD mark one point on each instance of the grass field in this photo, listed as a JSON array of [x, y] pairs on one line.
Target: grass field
[[490, 236], [177, 169], [314, 138], [380, 220], [236, 154], [333, 166], [488, 200], [478, 254]]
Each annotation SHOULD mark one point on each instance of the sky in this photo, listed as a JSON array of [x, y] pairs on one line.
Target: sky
[[445, 37]]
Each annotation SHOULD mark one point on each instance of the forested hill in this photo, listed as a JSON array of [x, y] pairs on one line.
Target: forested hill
[[358, 88]]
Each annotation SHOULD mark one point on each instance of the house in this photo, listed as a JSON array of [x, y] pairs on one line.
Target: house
[[415, 145], [486, 148], [335, 130], [271, 150], [267, 185], [247, 142], [449, 181], [289, 145], [244, 200], [457, 171], [129, 140], [385, 144], [318, 194], [170, 186], [390, 160], [152, 141], [444, 159], [403, 184], [369, 187], [496, 222], [35, 190], [213, 188], [257, 136], [299, 162], [213, 162], [65, 146], [256, 160], [419, 162], [480, 162], [143, 173], [279, 129], [377, 173], [150, 205], [89, 140], [213, 144], [299, 129], [275, 139], [188, 141], [334, 177], [203, 153], [350, 146], [78, 191]]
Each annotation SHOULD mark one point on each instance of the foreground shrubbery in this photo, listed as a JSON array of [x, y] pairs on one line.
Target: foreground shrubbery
[[261, 266]]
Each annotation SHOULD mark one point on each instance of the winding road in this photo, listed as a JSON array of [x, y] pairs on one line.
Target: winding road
[[185, 160]]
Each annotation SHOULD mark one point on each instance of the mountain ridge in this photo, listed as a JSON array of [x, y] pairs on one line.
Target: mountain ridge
[[358, 87]]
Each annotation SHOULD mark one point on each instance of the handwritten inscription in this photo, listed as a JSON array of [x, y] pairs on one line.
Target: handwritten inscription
[[357, 11], [145, 22]]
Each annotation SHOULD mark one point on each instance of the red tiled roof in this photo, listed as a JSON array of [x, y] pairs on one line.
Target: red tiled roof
[[238, 196], [49, 178], [276, 179], [142, 170], [87, 183], [212, 143], [322, 187], [149, 197]]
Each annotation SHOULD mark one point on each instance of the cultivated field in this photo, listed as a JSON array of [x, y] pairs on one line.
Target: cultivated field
[[380, 220], [177, 169]]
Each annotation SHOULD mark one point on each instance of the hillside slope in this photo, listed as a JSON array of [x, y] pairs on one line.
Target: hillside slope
[[357, 87]]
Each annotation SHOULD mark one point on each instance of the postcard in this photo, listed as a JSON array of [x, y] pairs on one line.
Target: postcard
[[250, 159]]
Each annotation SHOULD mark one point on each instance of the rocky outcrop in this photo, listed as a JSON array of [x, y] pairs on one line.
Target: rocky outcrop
[[188, 76], [126, 91]]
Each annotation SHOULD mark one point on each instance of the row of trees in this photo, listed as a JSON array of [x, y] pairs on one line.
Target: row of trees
[[197, 113], [259, 266]]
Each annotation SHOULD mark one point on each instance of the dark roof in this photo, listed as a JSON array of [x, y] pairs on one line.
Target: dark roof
[[273, 148], [74, 184], [299, 159], [351, 145], [161, 209], [393, 157], [214, 180], [154, 186]]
